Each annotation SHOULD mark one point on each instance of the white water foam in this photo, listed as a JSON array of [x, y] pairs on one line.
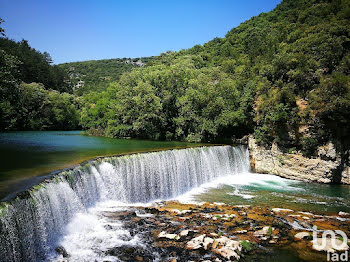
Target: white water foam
[[90, 234], [237, 181]]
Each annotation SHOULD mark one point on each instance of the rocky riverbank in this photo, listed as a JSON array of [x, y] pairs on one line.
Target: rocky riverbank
[[171, 231], [328, 167]]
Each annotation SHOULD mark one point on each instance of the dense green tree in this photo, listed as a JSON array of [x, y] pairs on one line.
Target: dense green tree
[[282, 75], [33, 106], [35, 66], [9, 91], [330, 102], [41, 109]]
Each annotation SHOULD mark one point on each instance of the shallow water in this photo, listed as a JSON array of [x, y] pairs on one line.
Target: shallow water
[[274, 191], [28, 154]]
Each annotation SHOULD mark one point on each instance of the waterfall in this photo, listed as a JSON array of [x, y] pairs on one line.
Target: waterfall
[[31, 224]]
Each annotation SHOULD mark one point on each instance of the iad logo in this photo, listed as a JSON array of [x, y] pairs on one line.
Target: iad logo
[[338, 257], [336, 247]]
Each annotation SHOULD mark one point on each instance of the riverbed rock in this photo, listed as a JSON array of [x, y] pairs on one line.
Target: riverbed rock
[[343, 214], [130, 253], [184, 233], [279, 210], [196, 242], [306, 213], [62, 251], [265, 231], [302, 235], [227, 248], [198, 238], [181, 211], [207, 242], [240, 231], [163, 234]]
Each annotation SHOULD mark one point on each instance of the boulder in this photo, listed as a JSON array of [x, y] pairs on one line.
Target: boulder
[[343, 214], [62, 251], [207, 241], [184, 233], [327, 152], [163, 234], [195, 243], [301, 235], [278, 210], [227, 248], [263, 232]]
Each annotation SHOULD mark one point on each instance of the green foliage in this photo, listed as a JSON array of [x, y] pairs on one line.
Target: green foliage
[[96, 75], [269, 232], [26, 105], [41, 109], [167, 102], [9, 91], [246, 245], [35, 66], [271, 75], [330, 103], [309, 145]]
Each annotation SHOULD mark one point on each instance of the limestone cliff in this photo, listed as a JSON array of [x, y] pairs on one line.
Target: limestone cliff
[[328, 167]]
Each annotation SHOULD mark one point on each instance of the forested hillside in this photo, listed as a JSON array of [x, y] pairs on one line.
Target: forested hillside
[[34, 94], [96, 75], [283, 75]]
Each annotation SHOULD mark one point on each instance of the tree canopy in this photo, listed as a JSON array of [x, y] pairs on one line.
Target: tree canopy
[[282, 75], [33, 93]]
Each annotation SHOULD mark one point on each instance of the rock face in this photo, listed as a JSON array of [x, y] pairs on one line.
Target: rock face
[[327, 168]]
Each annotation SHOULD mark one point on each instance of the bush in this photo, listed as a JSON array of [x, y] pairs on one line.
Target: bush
[[309, 146]]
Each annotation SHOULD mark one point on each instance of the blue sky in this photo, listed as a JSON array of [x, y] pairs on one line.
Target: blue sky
[[78, 30]]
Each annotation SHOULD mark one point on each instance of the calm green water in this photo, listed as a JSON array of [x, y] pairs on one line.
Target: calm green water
[[30, 154]]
